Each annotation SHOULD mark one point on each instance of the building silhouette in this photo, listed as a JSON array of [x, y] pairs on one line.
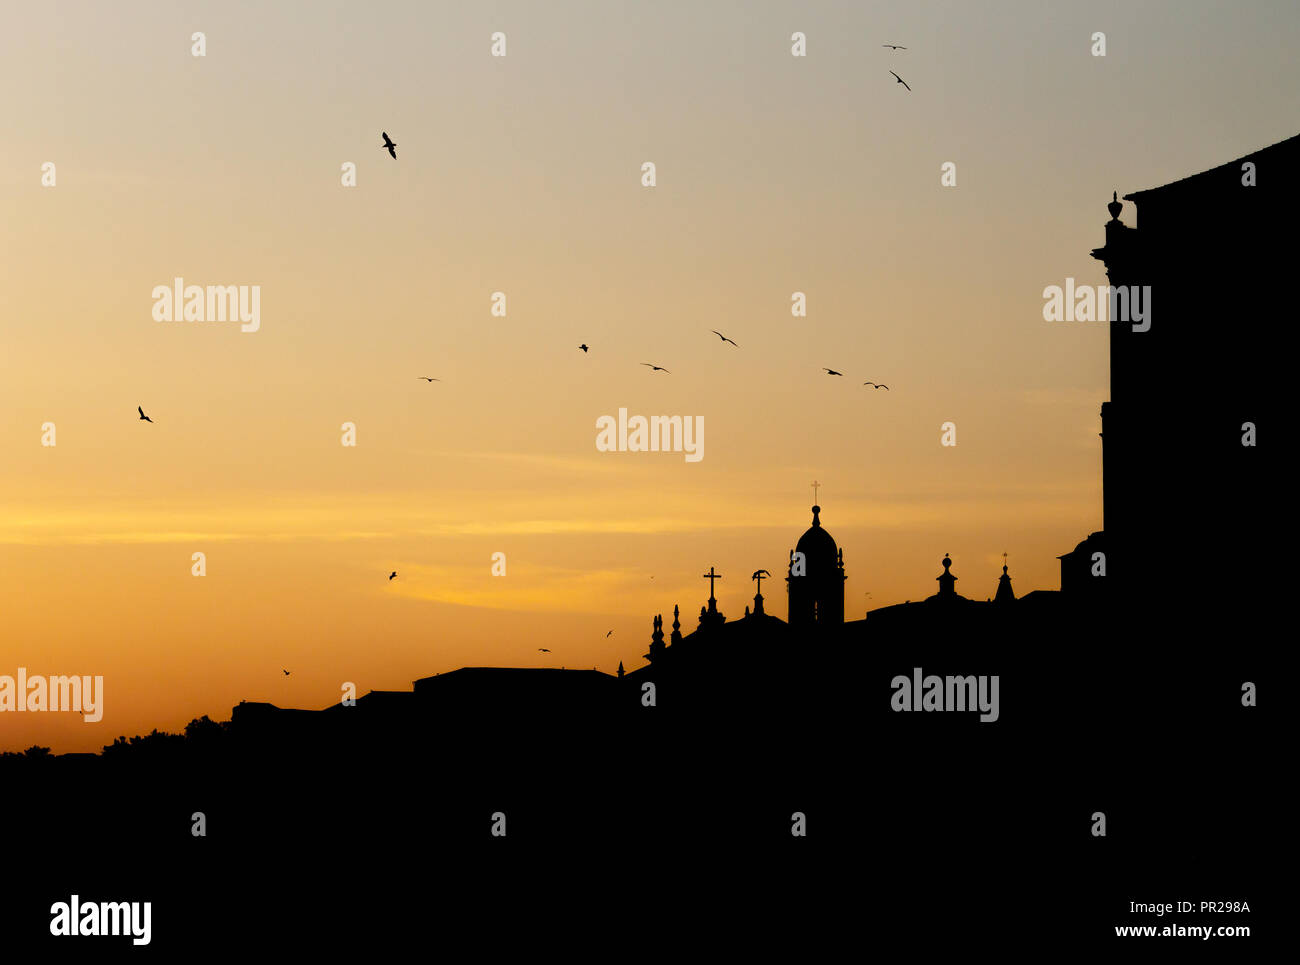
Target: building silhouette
[[1179, 486], [1182, 392], [815, 578]]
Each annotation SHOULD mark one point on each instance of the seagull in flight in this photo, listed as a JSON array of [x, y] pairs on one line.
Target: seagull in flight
[[142, 415], [893, 46], [831, 371], [721, 336], [392, 576], [427, 379], [900, 80], [542, 650], [878, 385], [583, 346], [607, 635], [388, 143], [657, 368], [285, 672]]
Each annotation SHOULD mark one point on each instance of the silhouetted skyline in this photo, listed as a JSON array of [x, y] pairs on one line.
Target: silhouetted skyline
[[818, 175]]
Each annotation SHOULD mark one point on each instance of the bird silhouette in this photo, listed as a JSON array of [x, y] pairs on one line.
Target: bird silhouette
[[878, 385], [427, 379], [542, 650], [900, 80], [142, 415], [583, 346], [657, 368], [607, 635], [392, 575], [893, 46], [721, 336], [831, 371], [388, 143], [285, 672]]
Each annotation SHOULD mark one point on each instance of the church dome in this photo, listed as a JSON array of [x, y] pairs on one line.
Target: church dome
[[816, 580], [817, 545]]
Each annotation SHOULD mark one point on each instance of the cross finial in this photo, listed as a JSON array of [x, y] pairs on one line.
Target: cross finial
[[711, 576], [815, 486]]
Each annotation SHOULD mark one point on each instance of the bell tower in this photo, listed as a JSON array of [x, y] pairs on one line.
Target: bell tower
[[815, 578]]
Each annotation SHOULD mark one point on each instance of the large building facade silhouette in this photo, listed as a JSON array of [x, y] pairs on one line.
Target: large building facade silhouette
[[1185, 433]]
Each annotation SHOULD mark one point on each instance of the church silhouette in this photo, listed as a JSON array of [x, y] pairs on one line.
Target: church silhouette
[[813, 628]]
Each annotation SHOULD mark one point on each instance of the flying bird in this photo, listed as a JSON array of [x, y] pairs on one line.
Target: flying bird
[[388, 143], [583, 346], [893, 46], [607, 635], [392, 575], [285, 672], [657, 368], [427, 379], [721, 336], [542, 650], [831, 371], [142, 415], [900, 80], [878, 385]]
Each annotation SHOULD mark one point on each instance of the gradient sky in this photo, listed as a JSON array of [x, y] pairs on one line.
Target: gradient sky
[[522, 174]]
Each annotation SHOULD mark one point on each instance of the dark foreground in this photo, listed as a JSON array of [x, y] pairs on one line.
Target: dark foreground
[[668, 830]]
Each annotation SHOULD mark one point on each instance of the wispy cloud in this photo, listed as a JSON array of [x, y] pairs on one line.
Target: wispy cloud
[[378, 516], [547, 589]]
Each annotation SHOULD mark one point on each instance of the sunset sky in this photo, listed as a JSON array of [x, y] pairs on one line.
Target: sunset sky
[[522, 174]]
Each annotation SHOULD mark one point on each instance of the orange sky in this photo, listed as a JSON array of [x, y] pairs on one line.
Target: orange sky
[[522, 174]]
